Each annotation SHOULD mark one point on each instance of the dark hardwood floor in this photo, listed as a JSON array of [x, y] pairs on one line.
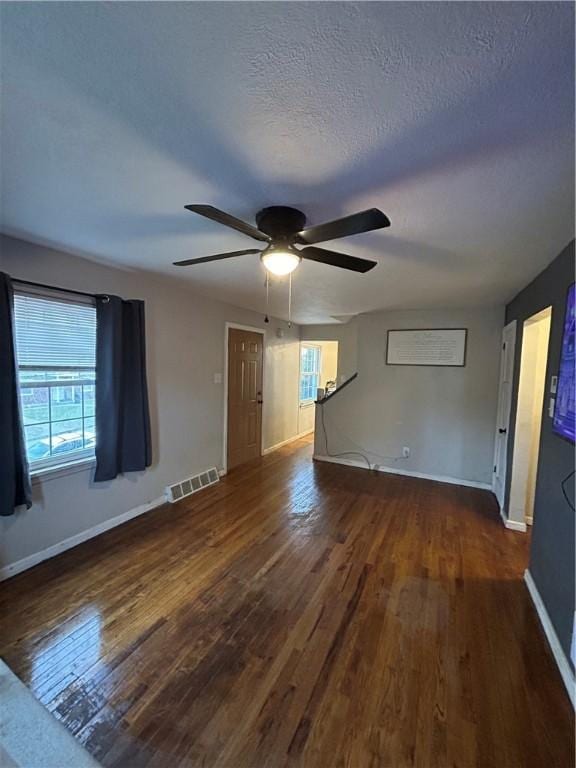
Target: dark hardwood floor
[[296, 614]]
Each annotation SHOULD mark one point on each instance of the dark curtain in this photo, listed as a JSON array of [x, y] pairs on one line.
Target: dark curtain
[[122, 416], [15, 487]]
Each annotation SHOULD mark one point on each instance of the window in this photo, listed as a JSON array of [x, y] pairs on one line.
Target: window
[[56, 351], [309, 372]]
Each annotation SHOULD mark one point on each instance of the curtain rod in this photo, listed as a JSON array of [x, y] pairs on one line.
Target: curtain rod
[[62, 290]]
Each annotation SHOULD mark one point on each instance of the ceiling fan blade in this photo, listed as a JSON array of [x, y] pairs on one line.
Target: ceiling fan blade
[[229, 221], [365, 221], [336, 259], [215, 257]]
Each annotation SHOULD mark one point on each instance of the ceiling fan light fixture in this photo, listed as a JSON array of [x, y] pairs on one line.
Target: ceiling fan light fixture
[[280, 260], [280, 227]]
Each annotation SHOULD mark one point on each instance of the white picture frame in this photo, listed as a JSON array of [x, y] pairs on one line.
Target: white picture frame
[[440, 347]]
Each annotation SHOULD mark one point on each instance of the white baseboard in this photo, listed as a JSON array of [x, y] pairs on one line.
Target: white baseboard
[[286, 442], [512, 525], [405, 472], [557, 650], [12, 569]]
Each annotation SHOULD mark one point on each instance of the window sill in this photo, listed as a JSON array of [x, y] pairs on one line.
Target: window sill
[[51, 473], [306, 403]]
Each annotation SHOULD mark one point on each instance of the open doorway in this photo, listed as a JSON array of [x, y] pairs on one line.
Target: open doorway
[[534, 355], [318, 370]]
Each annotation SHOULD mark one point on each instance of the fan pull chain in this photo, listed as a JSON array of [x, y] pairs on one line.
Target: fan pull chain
[[266, 318], [290, 300]]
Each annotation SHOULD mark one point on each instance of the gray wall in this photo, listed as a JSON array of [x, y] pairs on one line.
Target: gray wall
[[185, 348], [446, 416], [552, 552]]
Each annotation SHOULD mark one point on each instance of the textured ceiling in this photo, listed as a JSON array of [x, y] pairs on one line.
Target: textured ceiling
[[456, 119]]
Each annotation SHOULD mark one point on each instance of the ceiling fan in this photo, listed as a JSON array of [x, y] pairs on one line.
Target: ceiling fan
[[283, 228]]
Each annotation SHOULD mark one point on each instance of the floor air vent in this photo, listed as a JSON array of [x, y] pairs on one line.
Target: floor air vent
[[192, 484]]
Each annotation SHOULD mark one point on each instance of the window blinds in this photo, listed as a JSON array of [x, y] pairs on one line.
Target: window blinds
[[54, 333]]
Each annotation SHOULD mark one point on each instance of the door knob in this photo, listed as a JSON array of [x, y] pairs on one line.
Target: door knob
[[502, 431]]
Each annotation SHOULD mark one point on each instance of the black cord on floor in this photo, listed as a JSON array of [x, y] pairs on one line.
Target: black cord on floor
[[337, 455], [563, 486]]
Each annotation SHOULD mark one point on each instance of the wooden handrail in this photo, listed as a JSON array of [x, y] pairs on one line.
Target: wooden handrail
[[338, 389]]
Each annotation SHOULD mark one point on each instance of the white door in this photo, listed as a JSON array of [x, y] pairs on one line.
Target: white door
[[504, 406]]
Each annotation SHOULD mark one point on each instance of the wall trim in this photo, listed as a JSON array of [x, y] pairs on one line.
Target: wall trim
[[557, 651], [406, 472], [512, 525], [285, 442], [40, 476], [7, 571]]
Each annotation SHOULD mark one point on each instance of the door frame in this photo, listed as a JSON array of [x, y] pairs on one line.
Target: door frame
[[519, 488], [252, 329], [512, 329]]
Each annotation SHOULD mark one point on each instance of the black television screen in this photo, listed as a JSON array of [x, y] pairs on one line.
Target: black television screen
[[564, 422]]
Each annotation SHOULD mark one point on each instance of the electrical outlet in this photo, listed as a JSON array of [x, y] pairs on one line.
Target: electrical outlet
[[405, 452]]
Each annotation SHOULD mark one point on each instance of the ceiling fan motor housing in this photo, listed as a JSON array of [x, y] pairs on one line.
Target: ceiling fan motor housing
[[280, 222]]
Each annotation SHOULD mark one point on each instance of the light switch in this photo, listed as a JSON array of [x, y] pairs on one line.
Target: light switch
[[551, 407], [553, 385], [217, 378]]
